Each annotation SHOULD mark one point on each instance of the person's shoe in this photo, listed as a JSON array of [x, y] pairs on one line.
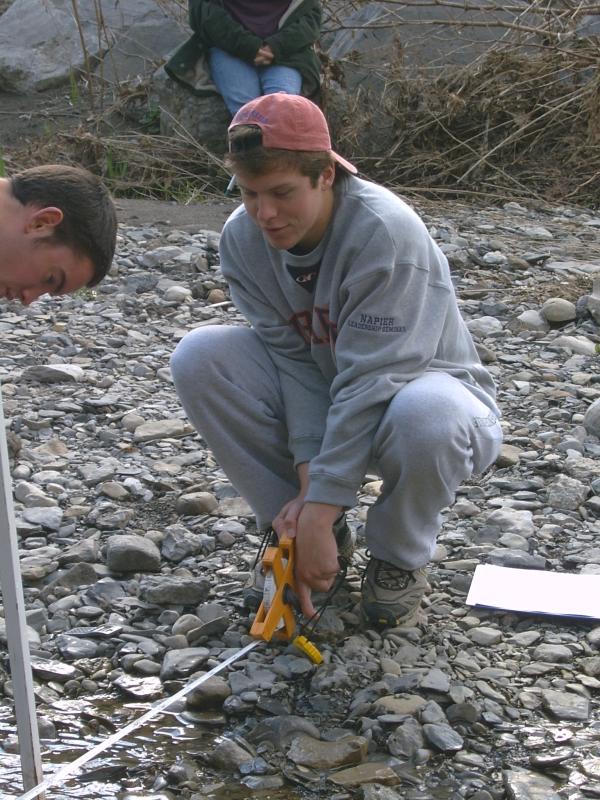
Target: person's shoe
[[391, 597], [252, 593]]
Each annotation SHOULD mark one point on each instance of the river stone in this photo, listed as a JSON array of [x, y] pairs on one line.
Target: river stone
[[576, 344], [555, 309], [523, 785], [567, 493], [280, 730], [40, 42], [141, 688], [375, 791], [210, 694], [584, 469], [443, 737], [402, 704], [51, 670], [181, 663], [532, 320], [370, 772], [316, 754], [406, 740], [131, 553], [179, 543], [195, 503], [591, 419], [98, 473], [510, 520], [53, 373], [159, 429], [484, 326], [86, 550], [228, 755], [173, 590], [565, 705], [553, 653], [50, 518]]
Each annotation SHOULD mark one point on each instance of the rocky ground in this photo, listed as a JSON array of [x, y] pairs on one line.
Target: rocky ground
[[134, 547]]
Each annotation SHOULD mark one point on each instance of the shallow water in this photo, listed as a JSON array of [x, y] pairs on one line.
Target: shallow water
[[135, 765]]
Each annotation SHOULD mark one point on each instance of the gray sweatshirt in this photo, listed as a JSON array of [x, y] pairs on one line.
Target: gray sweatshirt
[[382, 312]]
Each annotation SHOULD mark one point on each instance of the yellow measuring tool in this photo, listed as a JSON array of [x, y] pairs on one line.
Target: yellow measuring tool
[[276, 618]]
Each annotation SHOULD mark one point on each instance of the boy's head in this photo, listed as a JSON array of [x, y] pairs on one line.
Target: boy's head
[[86, 222], [280, 152], [281, 131]]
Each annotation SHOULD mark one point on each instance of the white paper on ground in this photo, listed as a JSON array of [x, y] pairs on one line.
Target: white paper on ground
[[561, 594]]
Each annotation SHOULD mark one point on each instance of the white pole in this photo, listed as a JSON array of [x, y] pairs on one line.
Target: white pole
[[16, 630]]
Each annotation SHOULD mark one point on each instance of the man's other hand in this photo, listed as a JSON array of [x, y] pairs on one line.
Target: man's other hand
[[316, 552]]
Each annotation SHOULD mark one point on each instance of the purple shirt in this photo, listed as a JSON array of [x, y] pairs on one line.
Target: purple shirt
[[258, 16]]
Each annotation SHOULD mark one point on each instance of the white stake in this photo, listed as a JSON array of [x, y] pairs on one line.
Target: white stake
[[16, 629]]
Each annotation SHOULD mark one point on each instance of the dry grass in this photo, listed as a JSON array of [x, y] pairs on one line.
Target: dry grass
[[521, 120], [136, 165]]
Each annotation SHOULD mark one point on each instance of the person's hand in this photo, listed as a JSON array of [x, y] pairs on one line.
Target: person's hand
[[264, 56], [316, 552], [285, 522]]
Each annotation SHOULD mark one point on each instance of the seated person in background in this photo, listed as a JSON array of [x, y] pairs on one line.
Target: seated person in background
[[249, 49]]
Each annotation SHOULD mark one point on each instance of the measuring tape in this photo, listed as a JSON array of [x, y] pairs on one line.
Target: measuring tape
[[60, 775], [275, 619]]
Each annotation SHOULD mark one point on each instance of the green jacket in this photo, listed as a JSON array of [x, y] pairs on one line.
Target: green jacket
[[213, 26]]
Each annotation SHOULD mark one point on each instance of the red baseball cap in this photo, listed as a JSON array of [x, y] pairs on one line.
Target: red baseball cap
[[289, 122]]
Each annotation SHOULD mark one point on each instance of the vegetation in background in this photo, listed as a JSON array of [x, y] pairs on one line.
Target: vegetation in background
[[521, 119]]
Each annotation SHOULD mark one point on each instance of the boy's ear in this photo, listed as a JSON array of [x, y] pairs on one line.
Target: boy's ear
[[328, 176], [42, 221]]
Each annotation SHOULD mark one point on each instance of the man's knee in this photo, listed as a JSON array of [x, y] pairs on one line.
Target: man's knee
[[420, 433], [195, 354]]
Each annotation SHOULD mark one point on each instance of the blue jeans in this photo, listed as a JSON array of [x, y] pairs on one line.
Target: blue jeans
[[239, 82]]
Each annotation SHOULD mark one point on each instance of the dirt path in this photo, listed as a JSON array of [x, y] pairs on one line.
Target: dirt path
[[210, 215]]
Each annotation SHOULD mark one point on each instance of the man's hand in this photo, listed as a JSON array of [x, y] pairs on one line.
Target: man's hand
[[264, 56], [286, 521], [316, 552]]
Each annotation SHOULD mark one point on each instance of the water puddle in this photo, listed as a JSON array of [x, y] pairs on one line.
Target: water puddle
[[134, 767]]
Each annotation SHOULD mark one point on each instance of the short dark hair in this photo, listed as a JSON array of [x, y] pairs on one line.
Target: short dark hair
[[89, 224], [246, 153]]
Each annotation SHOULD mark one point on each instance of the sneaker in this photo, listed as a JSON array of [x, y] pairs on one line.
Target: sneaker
[[391, 597], [252, 593]]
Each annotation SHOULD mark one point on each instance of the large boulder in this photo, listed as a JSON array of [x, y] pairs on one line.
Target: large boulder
[[41, 40], [205, 119]]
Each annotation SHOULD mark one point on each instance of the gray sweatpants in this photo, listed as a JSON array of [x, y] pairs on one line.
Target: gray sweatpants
[[434, 435]]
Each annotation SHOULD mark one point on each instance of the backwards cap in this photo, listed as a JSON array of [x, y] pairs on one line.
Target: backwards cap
[[289, 122]]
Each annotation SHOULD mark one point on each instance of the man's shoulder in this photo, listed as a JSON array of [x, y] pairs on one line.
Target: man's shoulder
[[372, 204], [239, 223]]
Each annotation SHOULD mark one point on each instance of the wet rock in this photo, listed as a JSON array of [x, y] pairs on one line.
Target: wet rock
[[443, 738], [316, 754], [210, 694], [565, 705], [371, 772], [279, 731], [181, 663], [228, 755], [524, 785]]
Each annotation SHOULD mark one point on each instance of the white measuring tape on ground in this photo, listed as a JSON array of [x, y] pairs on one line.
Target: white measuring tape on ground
[[60, 775]]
